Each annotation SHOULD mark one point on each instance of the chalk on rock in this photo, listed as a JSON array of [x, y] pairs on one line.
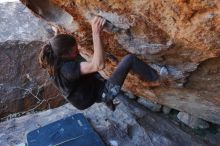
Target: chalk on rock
[[191, 121], [113, 143], [149, 104], [166, 110], [21, 144]]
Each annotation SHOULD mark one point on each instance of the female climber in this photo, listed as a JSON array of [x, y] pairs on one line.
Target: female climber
[[77, 80]]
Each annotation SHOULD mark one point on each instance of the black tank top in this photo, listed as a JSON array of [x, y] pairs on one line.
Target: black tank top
[[80, 90]]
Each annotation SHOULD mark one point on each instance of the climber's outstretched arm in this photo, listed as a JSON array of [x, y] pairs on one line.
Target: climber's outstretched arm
[[98, 61]]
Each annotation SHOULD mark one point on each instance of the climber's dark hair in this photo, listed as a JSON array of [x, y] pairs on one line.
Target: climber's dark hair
[[51, 53]]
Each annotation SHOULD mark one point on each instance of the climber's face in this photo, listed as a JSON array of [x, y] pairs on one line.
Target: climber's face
[[72, 53]]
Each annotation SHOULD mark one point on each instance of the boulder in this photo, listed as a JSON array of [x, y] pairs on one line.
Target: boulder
[[183, 35], [24, 87]]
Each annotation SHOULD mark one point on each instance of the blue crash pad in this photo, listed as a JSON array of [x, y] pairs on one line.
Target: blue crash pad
[[71, 131]]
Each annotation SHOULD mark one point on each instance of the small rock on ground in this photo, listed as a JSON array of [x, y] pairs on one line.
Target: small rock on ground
[[191, 121], [149, 104], [166, 110], [130, 95]]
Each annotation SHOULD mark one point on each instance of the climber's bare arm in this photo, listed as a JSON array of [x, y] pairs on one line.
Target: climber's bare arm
[[98, 62]]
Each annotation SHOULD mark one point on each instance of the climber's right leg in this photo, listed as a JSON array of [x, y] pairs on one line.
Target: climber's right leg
[[131, 62], [115, 82]]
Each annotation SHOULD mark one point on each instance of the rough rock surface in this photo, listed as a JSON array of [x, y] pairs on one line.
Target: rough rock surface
[[17, 23], [24, 87], [129, 125], [183, 35]]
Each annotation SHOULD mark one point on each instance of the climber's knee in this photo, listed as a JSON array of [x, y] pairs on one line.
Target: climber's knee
[[129, 58]]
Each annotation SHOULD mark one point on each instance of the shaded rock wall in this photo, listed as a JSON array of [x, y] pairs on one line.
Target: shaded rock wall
[[24, 86], [183, 35]]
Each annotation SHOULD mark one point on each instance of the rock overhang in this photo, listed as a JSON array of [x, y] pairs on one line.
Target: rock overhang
[[184, 36]]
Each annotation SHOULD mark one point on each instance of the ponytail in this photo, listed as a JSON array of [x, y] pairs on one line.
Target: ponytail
[[48, 60], [52, 52]]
